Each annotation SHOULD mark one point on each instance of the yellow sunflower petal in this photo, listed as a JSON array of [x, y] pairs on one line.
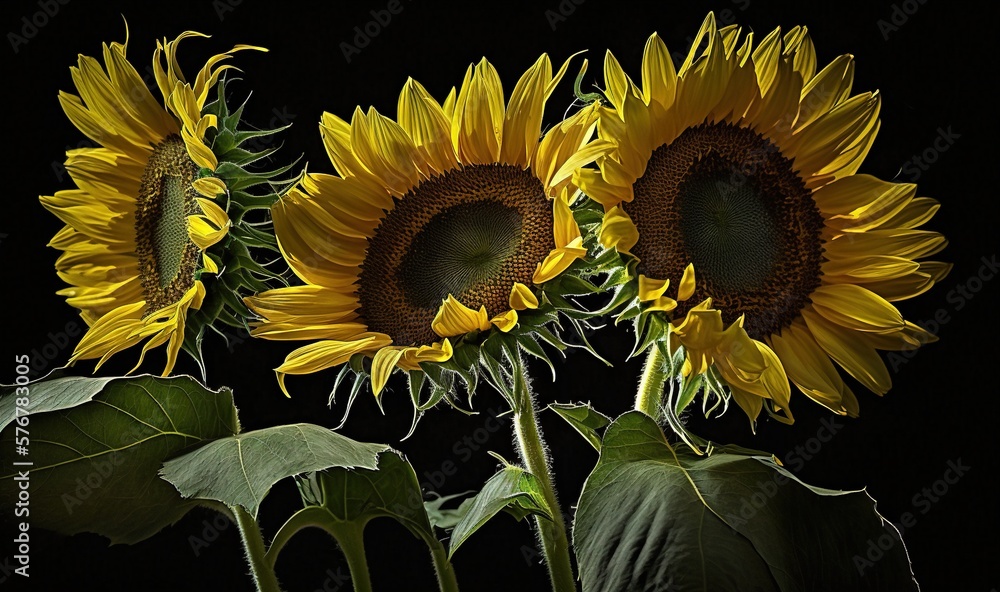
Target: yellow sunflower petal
[[477, 125], [651, 289], [774, 380], [750, 404], [310, 303], [426, 123], [454, 318], [662, 303], [199, 152], [208, 264], [685, 290], [523, 119], [383, 364], [210, 186], [893, 242], [565, 229], [799, 45], [321, 355], [826, 90], [911, 337], [853, 353], [505, 321], [701, 329], [592, 183], [617, 82], [915, 214], [854, 307], [558, 261], [521, 297], [810, 368], [210, 228], [659, 78], [436, 352], [110, 333], [384, 149], [741, 351], [618, 231]]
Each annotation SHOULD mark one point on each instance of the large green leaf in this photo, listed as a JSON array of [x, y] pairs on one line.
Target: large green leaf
[[656, 518], [96, 445], [51, 393], [241, 469], [512, 489]]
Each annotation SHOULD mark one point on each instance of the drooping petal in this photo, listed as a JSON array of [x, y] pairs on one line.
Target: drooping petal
[[454, 318], [521, 297]]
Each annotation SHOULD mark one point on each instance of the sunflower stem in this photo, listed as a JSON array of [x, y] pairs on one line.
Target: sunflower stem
[[350, 537], [654, 375], [253, 543], [311, 516], [555, 543], [443, 569]]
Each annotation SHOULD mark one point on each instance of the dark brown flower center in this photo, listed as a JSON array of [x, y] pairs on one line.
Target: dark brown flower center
[[167, 257], [471, 232], [725, 198]]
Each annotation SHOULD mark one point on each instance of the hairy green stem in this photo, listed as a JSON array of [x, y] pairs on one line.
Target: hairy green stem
[[351, 539], [253, 543], [555, 544], [654, 375], [311, 516], [443, 569]]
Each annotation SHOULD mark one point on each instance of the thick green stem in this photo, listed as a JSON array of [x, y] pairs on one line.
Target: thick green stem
[[555, 544], [654, 375], [352, 542], [253, 543], [311, 516], [443, 568]]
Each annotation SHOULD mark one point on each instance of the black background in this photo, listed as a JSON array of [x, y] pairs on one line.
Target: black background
[[936, 72]]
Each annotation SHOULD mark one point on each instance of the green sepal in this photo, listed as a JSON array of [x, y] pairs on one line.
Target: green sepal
[[241, 273]]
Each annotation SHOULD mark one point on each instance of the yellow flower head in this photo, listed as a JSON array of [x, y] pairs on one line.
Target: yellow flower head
[[151, 212], [743, 162], [443, 224]]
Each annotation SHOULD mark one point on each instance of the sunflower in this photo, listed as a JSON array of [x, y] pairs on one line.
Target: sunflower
[[158, 207], [439, 226], [742, 164]]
